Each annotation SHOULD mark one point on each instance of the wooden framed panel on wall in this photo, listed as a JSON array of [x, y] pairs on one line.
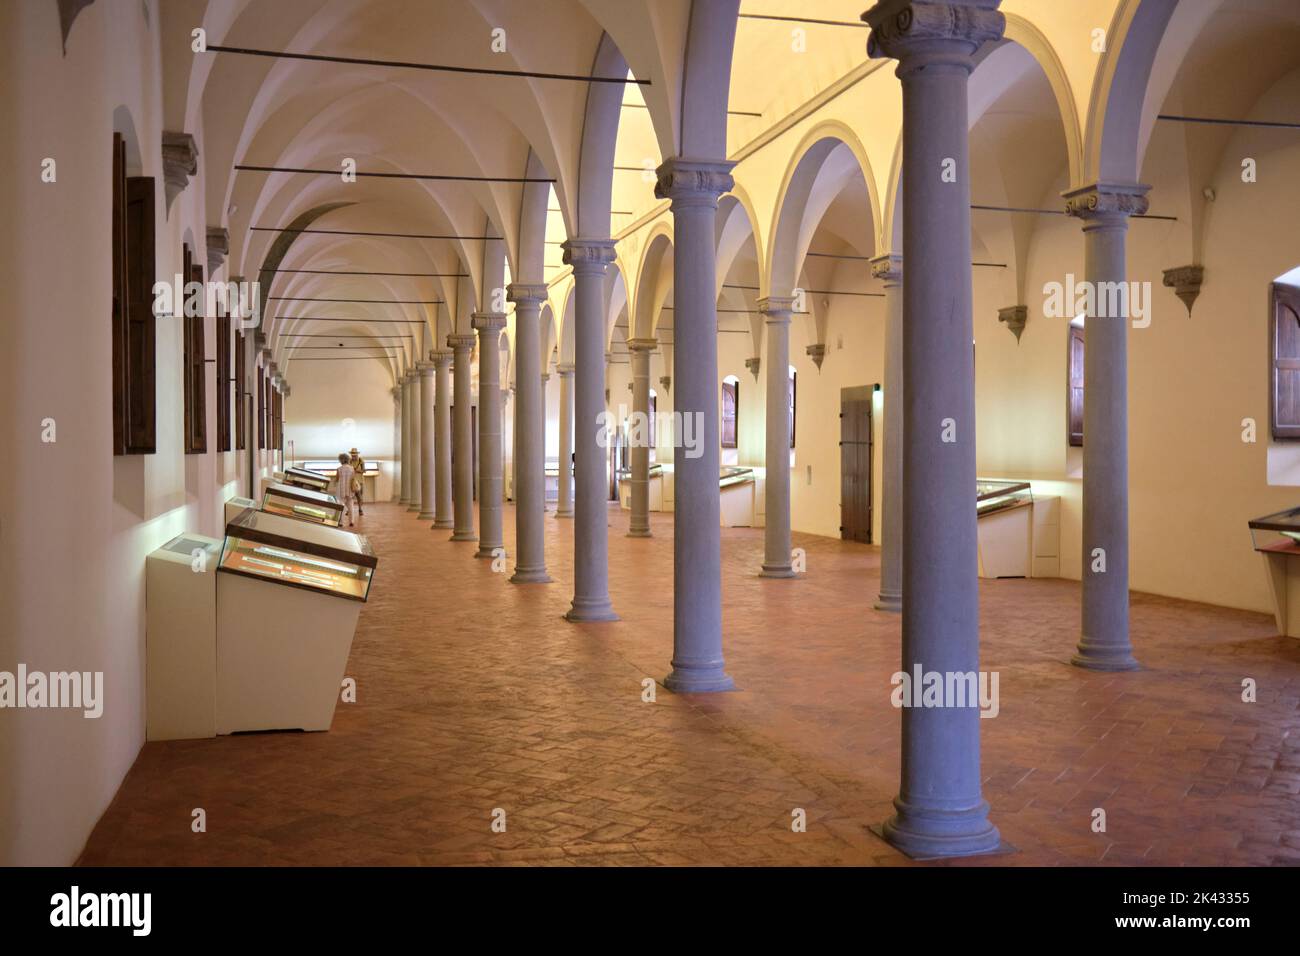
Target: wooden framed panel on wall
[[134, 334], [196, 410]]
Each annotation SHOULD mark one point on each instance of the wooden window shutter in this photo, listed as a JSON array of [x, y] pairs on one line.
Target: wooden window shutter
[[223, 381], [261, 409], [1284, 409], [793, 392], [135, 401], [730, 413], [1075, 398], [196, 391], [241, 414]]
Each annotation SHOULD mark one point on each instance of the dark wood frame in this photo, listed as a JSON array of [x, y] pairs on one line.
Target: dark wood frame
[[134, 336], [224, 381], [1281, 297], [792, 393], [734, 387], [1075, 357], [241, 385], [195, 361]]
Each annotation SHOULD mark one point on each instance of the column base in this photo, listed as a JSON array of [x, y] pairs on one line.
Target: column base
[[414, 507], [1104, 657], [425, 516], [486, 551], [893, 603], [698, 680], [442, 524], [564, 514], [464, 536], [931, 834], [586, 610], [639, 533], [530, 576], [403, 501], [776, 571]]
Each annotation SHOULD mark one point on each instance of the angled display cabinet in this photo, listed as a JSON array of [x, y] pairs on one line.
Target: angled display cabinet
[[293, 501], [305, 478], [1277, 538]]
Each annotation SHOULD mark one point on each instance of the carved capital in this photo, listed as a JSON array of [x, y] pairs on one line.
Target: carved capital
[[588, 256], [667, 382], [888, 268], [424, 369], [816, 352], [1186, 283], [487, 322], [1015, 317], [776, 308], [180, 158], [218, 247], [1107, 202], [460, 342], [565, 369], [753, 364], [920, 32], [440, 358], [643, 345], [522, 293], [692, 182]]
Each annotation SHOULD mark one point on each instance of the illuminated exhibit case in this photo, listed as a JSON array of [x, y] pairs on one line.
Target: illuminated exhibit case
[[293, 501], [1277, 538]]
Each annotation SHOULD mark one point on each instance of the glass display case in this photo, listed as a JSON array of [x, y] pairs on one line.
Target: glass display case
[[729, 475], [300, 554], [993, 494], [1277, 533], [331, 468], [302, 503], [625, 474], [304, 478]]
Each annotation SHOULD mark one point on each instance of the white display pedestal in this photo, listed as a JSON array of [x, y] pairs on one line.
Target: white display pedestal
[[181, 638], [1006, 543], [236, 506], [655, 486], [281, 654], [738, 505], [1283, 569]]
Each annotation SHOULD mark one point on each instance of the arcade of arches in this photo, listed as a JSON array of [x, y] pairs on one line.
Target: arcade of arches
[[664, 310]]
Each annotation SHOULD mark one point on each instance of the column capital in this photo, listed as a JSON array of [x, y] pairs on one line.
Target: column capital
[[920, 33], [887, 267], [440, 358], [643, 345], [488, 321], [588, 256], [424, 369], [460, 342], [180, 155], [565, 369], [1107, 202], [693, 182], [776, 309], [396, 392], [532, 293]]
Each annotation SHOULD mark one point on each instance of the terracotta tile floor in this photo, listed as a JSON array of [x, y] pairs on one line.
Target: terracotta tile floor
[[473, 695]]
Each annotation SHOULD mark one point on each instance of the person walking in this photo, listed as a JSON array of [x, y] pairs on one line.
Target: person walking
[[343, 479], [358, 485]]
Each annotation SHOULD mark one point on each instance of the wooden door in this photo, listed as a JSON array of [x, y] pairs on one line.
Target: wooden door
[[855, 469]]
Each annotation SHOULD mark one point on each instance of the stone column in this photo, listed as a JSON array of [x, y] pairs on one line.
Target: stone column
[[694, 187], [462, 346], [396, 392], [404, 399], [776, 532], [442, 440], [640, 451], [564, 495], [889, 269], [427, 468], [530, 434], [489, 326], [1104, 208], [941, 810], [417, 434], [589, 258]]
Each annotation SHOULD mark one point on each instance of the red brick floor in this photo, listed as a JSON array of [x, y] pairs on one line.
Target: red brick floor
[[474, 695]]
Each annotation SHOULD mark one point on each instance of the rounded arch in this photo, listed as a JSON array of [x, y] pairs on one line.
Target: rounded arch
[[826, 157], [654, 280], [1023, 33]]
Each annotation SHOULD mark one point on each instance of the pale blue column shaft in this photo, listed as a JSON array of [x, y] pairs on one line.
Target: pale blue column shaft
[[530, 425], [489, 326], [941, 809], [889, 269], [442, 440], [1104, 643], [694, 188], [564, 503], [427, 473], [589, 259], [462, 347], [639, 522], [776, 532], [404, 393], [397, 445]]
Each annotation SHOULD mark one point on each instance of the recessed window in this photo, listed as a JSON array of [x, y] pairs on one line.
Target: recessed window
[[793, 392], [195, 351], [1075, 396], [134, 353], [241, 417], [224, 380], [1285, 390], [730, 411]]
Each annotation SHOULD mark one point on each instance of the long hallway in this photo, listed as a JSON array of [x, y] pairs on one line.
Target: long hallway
[[474, 695]]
